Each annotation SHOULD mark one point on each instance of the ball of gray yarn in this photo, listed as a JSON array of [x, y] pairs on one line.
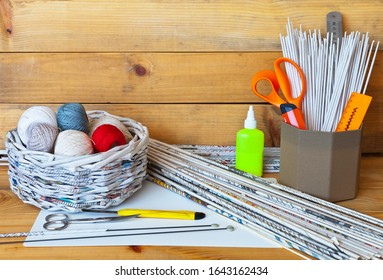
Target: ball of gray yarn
[[41, 137]]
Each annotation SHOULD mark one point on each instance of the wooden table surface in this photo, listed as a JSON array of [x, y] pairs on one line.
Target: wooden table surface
[[15, 216]]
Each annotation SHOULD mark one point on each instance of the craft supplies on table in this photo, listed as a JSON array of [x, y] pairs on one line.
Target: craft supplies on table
[[294, 219], [60, 221], [93, 181], [150, 232], [324, 161]]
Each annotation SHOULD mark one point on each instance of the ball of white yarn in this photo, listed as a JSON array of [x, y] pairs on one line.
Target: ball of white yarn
[[95, 123], [73, 143], [41, 137], [35, 114]]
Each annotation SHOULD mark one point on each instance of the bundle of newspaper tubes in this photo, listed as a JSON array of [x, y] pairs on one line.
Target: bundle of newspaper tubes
[[295, 220]]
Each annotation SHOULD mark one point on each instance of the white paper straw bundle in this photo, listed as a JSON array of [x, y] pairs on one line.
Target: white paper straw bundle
[[333, 70], [296, 220]]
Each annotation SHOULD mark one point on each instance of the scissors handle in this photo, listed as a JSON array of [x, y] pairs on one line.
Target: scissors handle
[[284, 81], [56, 222], [60, 221], [279, 80], [272, 97], [290, 106]]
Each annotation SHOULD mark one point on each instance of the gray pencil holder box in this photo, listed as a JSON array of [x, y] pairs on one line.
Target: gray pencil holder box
[[322, 164]]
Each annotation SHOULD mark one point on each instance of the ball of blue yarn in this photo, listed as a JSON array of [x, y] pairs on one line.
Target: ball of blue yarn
[[72, 116]]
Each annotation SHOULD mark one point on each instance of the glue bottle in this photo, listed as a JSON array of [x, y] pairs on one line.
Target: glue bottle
[[250, 146]]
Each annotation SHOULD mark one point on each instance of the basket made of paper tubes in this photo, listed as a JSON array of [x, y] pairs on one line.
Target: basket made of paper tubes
[[73, 183]]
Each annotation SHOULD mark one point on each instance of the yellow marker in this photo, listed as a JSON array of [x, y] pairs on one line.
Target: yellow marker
[[354, 112], [157, 214]]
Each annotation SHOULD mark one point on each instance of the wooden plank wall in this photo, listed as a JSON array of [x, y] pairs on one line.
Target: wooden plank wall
[[182, 68]]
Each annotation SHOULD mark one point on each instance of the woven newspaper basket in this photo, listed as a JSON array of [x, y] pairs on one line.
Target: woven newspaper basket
[[74, 183]]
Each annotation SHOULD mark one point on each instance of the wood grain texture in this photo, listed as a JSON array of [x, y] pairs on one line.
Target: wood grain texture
[[147, 25], [141, 77], [131, 77]]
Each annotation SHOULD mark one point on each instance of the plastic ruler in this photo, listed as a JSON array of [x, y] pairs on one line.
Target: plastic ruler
[[354, 112]]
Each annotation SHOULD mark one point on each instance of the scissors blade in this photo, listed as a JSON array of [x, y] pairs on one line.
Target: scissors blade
[[107, 219], [100, 211]]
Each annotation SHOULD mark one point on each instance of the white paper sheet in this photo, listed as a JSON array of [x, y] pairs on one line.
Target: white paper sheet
[[152, 196]]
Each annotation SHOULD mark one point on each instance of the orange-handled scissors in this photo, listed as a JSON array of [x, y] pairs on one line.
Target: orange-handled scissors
[[290, 106]]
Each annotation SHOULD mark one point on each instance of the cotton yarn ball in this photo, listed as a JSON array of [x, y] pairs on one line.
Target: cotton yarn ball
[[95, 123], [41, 137], [35, 114], [73, 143], [106, 137], [72, 116]]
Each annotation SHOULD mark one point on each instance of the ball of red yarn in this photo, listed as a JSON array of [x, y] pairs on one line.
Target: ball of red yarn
[[106, 137]]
